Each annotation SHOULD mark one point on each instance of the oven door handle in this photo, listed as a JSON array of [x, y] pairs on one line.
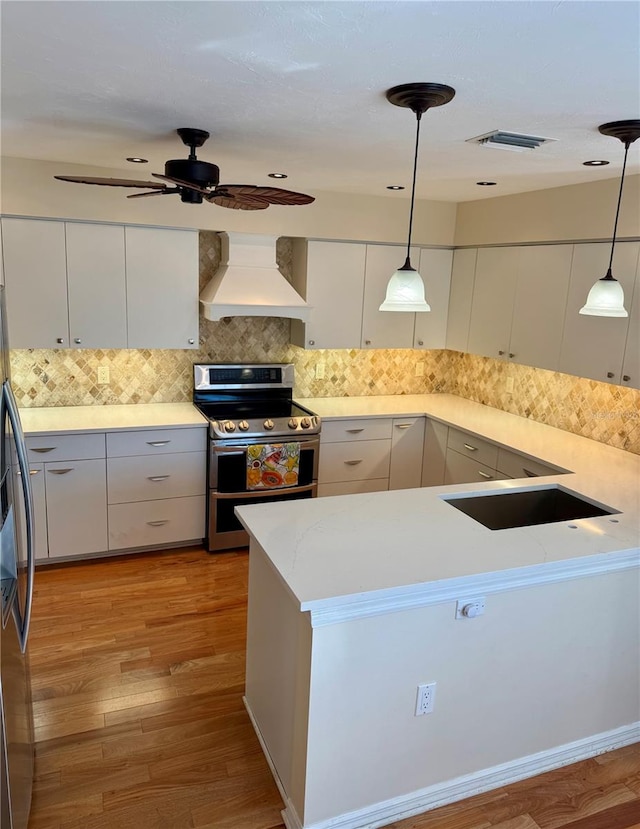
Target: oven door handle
[[260, 493]]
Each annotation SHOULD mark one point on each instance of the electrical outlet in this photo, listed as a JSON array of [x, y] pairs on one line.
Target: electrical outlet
[[103, 375], [420, 369], [470, 608], [425, 698], [319, 371], [509, 385]]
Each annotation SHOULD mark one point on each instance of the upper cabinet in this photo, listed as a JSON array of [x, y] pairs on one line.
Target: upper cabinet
[[493, 297], [87, 285], [595, 347], [463, 272], [345, 284]]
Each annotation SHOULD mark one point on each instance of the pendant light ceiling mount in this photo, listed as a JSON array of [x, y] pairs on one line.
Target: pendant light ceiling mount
[[405, 291], [606, 297]]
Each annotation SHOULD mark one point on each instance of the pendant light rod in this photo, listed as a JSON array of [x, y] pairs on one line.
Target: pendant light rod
[[627, 144], [407, 264]]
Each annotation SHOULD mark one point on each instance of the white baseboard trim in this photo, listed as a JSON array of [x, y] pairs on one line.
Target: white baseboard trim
[[423, 800]]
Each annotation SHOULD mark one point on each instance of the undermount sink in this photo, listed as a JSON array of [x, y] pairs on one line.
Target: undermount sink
[[544, 505]]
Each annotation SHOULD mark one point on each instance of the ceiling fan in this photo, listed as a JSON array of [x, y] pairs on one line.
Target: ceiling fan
[[196, 181]]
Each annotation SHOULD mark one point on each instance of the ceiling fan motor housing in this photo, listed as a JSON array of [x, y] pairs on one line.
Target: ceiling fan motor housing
[[193, 171]]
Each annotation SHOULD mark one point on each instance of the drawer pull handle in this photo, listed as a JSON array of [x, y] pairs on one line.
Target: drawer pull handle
[[529, 473], [31, 472], [44, 449], [485, 474], [354, 463], [60, 471], [355, 431], [158, 442], [158, 477], [403, 425], [158, 523], [470, 447]]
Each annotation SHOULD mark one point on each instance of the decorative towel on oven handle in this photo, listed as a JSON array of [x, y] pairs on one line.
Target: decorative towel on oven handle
[[273, 465]]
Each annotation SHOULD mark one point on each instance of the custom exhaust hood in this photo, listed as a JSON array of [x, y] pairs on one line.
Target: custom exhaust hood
[[248, 282]]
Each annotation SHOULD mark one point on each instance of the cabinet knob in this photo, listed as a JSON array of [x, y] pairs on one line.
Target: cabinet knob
[[312, 342], [420, 342], [511, 355], [367, 342], [77, 340], [60, 340], [191, 341], [501, 353], [610, 374], [626, 378]]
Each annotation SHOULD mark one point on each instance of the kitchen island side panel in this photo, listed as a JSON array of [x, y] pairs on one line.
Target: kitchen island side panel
[[277, 673], [545, 666]]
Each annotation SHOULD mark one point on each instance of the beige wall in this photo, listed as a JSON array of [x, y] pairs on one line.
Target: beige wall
[[29, 189], [577, 212]]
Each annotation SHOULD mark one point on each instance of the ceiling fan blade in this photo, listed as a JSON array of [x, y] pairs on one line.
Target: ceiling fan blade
[[272, 195], [238, 204], [111, 182], [181, 183], [167, 191]]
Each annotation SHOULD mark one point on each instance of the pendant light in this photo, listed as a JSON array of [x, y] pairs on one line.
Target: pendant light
[[606, 298], [405, 291]]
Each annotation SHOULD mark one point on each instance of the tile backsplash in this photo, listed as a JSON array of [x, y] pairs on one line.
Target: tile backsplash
[[66, 377]]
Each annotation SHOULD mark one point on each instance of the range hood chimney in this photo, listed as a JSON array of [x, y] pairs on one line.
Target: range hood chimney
[[248, 282]]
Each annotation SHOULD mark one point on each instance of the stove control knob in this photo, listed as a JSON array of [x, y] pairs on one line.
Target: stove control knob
[[243, 426], [229, 426], [293, 423], [268, 424], [305, 423]]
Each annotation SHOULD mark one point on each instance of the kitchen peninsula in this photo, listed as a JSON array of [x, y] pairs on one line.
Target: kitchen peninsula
[[353, 604]]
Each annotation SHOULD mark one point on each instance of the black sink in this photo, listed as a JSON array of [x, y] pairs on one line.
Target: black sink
[[543, 505]]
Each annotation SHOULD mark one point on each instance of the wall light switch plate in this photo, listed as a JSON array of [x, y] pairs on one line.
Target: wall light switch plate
[[509, 385], [420, 369], [103, 375], [320, 371]]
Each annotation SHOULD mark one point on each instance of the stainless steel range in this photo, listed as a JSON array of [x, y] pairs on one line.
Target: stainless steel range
[[263, 446]]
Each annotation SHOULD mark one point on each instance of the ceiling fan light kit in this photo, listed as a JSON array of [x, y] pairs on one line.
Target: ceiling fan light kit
[[405, 290], [606, 297], [196, 181]]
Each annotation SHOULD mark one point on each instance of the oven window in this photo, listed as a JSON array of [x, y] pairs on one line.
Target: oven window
[[225, 519], [232, 470]]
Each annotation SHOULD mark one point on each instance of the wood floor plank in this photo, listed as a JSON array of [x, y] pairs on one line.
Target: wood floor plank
[[138, 677]]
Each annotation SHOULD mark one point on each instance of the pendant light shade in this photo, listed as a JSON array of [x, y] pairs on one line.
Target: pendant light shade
[[405, 291], [606, 297]]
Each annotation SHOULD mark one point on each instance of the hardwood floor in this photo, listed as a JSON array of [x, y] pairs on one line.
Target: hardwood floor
[[138, 673]]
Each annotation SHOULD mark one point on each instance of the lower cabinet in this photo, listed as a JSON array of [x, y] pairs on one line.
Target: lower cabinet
[[98, 492], [407, 444]]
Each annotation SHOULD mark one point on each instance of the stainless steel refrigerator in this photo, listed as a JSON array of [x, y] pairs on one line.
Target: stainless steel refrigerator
[[17, 570]]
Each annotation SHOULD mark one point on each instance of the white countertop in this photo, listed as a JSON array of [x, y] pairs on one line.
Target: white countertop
[[73, 419], [334, 550]]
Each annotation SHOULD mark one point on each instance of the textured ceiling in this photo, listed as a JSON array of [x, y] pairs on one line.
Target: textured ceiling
[[299, 87]]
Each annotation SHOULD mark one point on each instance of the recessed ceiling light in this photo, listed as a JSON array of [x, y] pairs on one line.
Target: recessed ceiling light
[[135, 160], [395, 187], [486, 183], [598, 162], [277, 175]]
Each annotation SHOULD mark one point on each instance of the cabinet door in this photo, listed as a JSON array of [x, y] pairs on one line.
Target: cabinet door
[[407, 444], [333, 285], [594, 346], [385, 329], [540, 303], [435, 270], [631, 363], [162, 287], [96, 284], [35, 271], [463, 274], [36, 471], [76, 507], [493, 297], [433, 457]]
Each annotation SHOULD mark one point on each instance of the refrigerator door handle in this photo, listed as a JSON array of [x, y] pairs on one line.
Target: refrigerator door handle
[[21, 451]]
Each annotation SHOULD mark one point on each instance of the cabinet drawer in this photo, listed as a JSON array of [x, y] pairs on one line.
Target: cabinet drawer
[[353, 487], [356, 428], [65, 447], [466, 444], [514, 465], [156, 442], [463, 470], [152, 523], [354, 461], [151, 477]]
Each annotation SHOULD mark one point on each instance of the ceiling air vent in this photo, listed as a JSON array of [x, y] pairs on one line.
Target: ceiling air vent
[[516, 141]]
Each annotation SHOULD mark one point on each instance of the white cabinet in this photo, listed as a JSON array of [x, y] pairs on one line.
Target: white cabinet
[[385, 329], [594, 347], [493, 297], [75, 493], [434, 454], [36, 472], [463, 274], [435, 270], [330, 275], [631, 361], [162, 287], [355, 455], [89, 285], [407, 444]]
